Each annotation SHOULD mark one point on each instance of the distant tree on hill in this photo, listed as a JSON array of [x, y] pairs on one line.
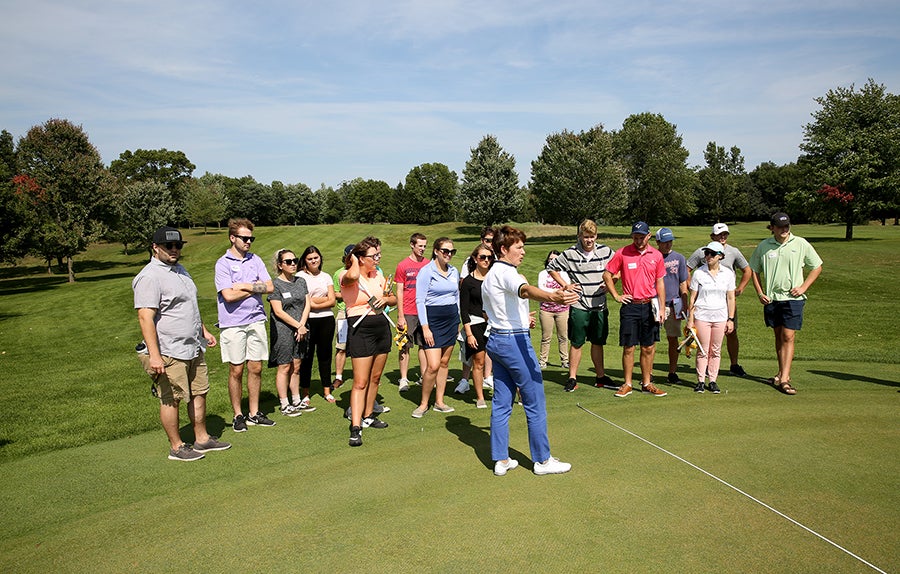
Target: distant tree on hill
[[144, 206], [721, 191], [205, 202], [429, 195], [489, 192]]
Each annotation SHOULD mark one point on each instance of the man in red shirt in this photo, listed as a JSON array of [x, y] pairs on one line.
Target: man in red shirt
[[641, 268], [405, 276]]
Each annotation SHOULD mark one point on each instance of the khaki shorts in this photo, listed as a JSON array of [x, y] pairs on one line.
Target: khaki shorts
[[181, 380], [341, 331], [673, 325], [244, 343]]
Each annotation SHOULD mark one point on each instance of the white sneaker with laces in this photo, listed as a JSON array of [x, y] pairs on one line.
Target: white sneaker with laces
[[403, 384], [551, 466], [500, 467]]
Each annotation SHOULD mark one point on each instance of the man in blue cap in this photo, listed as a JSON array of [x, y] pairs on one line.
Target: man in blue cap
[[676, 282], [643, 300]]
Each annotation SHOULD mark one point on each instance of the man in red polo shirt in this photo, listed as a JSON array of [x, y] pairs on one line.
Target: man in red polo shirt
[[642, 269]]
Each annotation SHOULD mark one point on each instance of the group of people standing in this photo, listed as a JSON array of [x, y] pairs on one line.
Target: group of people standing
[[485, 308]]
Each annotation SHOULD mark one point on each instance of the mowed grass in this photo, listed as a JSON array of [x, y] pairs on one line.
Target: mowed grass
[[87, 484]]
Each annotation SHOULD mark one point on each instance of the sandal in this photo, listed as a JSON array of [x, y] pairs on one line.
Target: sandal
[[774, 381], [785, 387]]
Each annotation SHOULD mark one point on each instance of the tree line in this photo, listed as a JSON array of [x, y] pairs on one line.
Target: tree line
[[56, 196]]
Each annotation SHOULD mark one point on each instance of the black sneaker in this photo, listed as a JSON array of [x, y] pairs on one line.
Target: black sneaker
[[673, 378], [239, 424], [738, 371], [605, 382], [355, 436], [261, 420], [713, 387], [571, 385], [372, 421], [698, 388]]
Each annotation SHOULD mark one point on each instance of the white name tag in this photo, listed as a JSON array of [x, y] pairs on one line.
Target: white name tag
[[772, 254], [236, 268], [286, 295], [632, 265]]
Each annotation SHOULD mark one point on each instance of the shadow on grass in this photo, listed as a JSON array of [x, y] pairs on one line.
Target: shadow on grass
[[855, 377], [479, 438], [4, 442]]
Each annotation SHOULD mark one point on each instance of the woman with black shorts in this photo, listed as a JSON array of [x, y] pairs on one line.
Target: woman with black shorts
[[437, 301], [473, 318], [363, 288]]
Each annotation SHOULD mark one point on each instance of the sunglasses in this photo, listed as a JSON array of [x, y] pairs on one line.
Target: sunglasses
[[485, 257], [294, 261], [445, 251], [246, 238], [173, 245]]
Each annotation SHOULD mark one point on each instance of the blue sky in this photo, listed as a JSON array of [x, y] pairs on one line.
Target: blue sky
[[322, 92]]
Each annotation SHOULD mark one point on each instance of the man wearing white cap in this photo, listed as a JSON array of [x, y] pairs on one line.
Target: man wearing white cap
[[733, 260]]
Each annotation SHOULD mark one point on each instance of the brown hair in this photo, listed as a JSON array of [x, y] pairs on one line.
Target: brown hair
[[415, 237], [360, 249], [437, 244], [236, 223], [506, 236], [472, 261]]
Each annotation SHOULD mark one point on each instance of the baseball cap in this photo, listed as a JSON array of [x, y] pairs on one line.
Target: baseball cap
[[715, 247], [780, 219], [720, 228], [348, 249], [167, 234], [665, 234], [641, 228]]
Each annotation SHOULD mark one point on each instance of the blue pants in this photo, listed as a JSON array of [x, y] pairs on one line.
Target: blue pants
[[516, 366]]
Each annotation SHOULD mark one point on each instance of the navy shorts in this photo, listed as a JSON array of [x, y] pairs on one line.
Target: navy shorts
[[787, 314], [637, 325]]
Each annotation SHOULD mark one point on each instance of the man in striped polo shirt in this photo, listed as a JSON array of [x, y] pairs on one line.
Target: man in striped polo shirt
[[584, 264]]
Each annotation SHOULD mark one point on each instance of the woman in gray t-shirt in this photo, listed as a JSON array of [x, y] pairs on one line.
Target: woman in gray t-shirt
[[288, 330]]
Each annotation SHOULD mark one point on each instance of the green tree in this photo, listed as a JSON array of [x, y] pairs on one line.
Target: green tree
[[205, 202], [13, 209], [489, 192], [144, 207], [251, 199], [773, 183], [660, 183], [853, 145], [429, 195], [170, 168], [299, 206], [577, 176], [721, 190], [368, 201], [72, 196], [334, 204]]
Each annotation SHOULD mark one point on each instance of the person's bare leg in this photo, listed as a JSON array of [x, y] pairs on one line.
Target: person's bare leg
[[235, 387], [254, 384]]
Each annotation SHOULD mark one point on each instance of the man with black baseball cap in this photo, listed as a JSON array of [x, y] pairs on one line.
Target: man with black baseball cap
[[172, 351], [777, 265]]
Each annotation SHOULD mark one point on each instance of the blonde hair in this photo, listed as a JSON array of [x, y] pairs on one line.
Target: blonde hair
[[587, 227]]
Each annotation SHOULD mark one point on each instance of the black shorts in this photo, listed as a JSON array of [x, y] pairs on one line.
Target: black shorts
[[371, 337], [637, 325], [478, 332]]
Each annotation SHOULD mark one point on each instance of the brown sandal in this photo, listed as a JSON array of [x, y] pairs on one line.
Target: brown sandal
[[785, 387]]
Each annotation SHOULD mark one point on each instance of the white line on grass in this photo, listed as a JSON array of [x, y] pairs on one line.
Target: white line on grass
[[756, 500]]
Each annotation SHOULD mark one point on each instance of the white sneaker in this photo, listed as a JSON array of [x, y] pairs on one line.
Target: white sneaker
[[403, 384], [551, 466], [462, 387], [500, 467], [449, 379], [489, 382]]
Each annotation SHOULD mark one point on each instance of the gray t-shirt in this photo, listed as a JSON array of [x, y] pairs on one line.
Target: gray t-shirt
[[171, 291], [733, 258]]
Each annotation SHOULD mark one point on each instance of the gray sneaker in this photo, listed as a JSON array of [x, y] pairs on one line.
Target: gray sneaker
[[260, 420], [185, 453], [212, 444]]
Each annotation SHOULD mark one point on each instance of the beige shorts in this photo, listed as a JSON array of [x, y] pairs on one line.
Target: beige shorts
[[673, 325], [244, 343], [181, 380]]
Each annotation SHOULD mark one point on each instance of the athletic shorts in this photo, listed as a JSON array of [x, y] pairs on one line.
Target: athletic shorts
[[413, 332], [341, 330], [586, 326], [244, 343], [370, 337], [787, 314], [637, 326], [181, 380]]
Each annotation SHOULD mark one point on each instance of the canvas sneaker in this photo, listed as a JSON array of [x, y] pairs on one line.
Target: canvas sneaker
[[260, 420], [551, 466], [355, 436], [571, 385], [713, 388], [489, 382], [673, 379], [653, 390], [738, 371], [501, 468], [239, 424], [623, 391], [372, 421], [462, 387], [419, 412], [213, 443], [185, 453], [403, 384], [304, 406], [698, 388], [291, 411], [481, 404], [443, 409], [605, 382]]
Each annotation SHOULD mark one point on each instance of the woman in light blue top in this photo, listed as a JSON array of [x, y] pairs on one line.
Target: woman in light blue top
[[437, 300]]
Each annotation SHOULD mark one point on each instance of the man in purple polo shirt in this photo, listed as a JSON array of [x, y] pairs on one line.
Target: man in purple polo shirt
[[642, 270], [241, 280]]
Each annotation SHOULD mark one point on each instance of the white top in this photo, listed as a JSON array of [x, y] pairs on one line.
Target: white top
[[502, 305], [711, 303], [318, 287]]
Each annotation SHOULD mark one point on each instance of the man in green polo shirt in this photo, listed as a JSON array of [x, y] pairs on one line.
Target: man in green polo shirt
[[777, 265]]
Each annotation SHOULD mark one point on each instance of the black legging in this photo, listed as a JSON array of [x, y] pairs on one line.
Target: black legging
[[321, 343]]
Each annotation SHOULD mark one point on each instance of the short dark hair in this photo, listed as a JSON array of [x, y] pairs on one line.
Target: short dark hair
[[547, 260], [415, 237], [506, 236], [485, 231]]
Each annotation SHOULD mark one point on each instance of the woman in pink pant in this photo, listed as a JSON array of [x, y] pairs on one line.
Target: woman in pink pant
[[711, 312]]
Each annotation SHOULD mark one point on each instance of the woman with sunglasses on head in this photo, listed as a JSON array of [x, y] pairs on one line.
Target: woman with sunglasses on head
[[551, 314], [365, 293], [321, 324], [437, 300], [473, 319], [290, 306], [711, 312]]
